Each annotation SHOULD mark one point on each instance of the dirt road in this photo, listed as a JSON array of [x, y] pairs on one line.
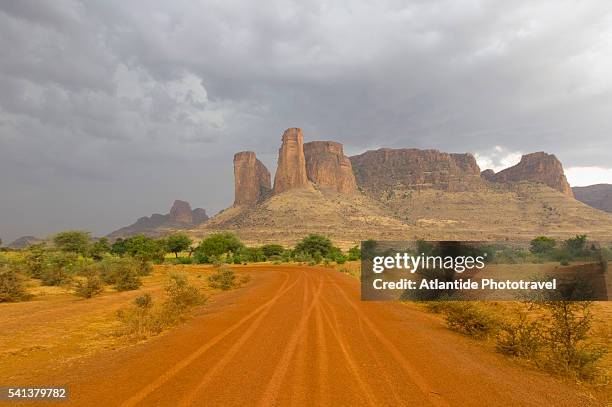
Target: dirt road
[[300, 336]]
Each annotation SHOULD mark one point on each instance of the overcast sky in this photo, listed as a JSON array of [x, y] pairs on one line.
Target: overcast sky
[[111, 109]]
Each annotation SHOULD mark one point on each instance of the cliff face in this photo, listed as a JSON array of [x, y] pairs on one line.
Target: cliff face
[[251, 179], [598, 196], [328, 167], [181, 212], [386, 169], [538, 167], [291, 170]]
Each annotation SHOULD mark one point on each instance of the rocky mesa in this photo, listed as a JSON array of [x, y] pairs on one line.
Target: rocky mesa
[[328, 167], [387, 169], [399, 194], [538, 167]]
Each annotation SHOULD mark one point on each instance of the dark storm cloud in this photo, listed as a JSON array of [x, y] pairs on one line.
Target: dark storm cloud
[[109, 110]]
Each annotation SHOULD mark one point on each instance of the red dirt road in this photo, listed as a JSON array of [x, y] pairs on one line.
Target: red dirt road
[[300, 336]]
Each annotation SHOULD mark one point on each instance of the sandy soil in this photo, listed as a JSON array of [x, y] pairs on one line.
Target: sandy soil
[[300, 336]]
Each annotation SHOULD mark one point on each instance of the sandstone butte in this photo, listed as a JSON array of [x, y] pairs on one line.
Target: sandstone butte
[[291, 170], [539, 167], [251, 179], [328, 167], [385, 169], [181, 212]]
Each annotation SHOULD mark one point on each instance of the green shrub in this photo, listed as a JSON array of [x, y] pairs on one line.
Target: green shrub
[[471, 320], [123, 272], [354, 253], [12, 285], [270, 250], [140, 320], [34, 260], [180, 293], [89, 288], [127, 280], [520, 337], [185, 260], [59, 268], [144, 318], [223, 278], [314, 245], [567, 331], [542, 245]]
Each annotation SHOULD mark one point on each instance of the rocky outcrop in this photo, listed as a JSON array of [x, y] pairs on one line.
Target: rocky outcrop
[[181, 217], [387, 169], [251, 179], [181, 212], [199, 215], [291, 170], [598, 196], [538, 167], [328, 167], [488, 174]]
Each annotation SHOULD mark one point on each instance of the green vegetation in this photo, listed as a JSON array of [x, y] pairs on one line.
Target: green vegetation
[[314, 246], [471, 320], [146, 318], [91, 287], [546, 249], [178, 242], [226, 248], [12, 283], [99, 248], [215, 246], [223, 278], [542, 245], [73, 241], [554, 335]]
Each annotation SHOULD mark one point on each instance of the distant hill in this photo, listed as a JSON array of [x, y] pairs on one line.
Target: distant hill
[[399, 194], [24, 242], [598, 196], [180, 217]]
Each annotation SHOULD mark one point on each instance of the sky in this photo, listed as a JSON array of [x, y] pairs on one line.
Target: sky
[[110, 110]]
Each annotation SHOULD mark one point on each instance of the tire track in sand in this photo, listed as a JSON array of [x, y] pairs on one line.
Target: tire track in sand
[[229, 355], [346, 353], [271, 392], [431, 395], [174, 370]]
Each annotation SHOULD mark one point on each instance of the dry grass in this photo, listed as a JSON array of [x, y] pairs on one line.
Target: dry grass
[[55, 326]]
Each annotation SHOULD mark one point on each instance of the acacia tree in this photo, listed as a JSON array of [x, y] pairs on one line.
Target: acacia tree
[[178, 242], [74, 241]]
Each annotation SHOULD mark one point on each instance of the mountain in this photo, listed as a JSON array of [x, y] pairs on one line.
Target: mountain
[[598, 196], [24, 242], [180, 217], [538, 167], [399, 194]]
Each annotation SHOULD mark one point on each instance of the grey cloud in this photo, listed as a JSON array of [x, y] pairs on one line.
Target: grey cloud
[[112, 109]]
